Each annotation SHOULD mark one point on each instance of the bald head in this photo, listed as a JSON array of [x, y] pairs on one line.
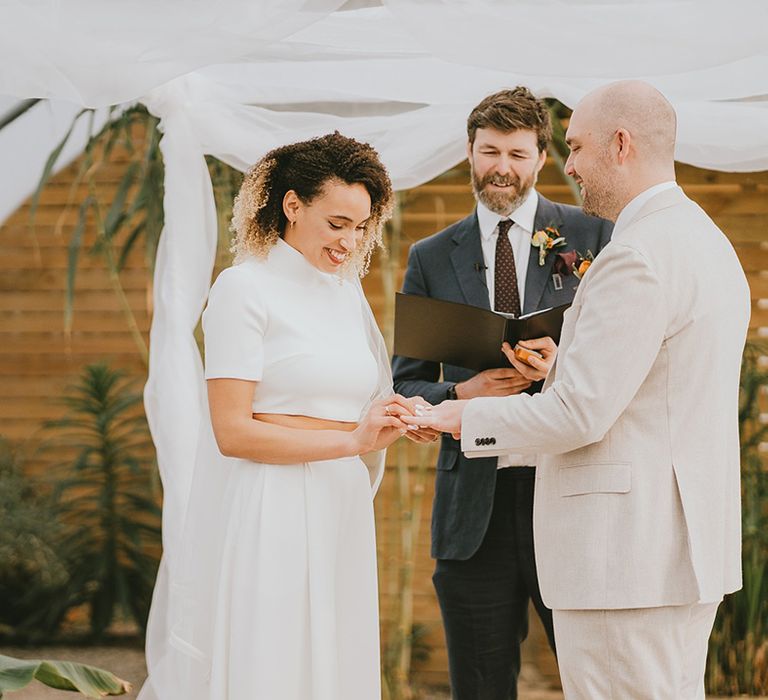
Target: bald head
[[622, 140], [640, 109]]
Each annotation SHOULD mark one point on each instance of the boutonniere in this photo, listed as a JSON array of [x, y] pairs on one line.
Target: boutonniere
[[573, 262], [582, 263], [546, 239]]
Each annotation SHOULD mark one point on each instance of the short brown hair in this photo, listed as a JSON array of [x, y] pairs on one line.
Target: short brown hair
[[509, 110], [306, 167]]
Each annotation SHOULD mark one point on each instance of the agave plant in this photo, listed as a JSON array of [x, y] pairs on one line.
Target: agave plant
[[104, 498], [92, 682]]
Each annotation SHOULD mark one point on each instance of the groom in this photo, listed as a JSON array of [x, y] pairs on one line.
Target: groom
[[482, 536], [637, 503]]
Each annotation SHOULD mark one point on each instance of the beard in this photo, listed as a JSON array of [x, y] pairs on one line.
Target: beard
[[499, 202], [603, 189], [603, 196]]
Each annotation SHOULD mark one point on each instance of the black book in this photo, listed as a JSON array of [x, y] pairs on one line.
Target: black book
[[464, 335]]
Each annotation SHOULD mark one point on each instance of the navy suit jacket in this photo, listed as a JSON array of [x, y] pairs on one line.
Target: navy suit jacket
[[448, 265]]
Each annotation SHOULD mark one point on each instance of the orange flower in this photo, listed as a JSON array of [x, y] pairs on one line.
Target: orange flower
[[582, 264]]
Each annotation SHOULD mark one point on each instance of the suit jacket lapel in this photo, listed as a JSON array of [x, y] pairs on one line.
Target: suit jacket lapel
[[466, 257], [538, 275]]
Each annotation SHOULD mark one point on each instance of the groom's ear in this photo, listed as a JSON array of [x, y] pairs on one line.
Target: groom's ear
[[622, 141]]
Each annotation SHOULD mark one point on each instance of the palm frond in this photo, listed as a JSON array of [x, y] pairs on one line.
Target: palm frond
[[50, 164]]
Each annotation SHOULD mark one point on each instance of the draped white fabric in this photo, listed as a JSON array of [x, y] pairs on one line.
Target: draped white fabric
[[237, 77]]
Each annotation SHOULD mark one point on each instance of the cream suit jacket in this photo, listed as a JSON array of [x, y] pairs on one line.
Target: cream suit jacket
[[637, 494]]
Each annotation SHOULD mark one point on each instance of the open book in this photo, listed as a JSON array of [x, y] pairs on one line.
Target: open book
[[464, 335]]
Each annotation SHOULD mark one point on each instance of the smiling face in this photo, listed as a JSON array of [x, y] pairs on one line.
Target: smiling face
[[591, 165], [327, 230], [504, 167]]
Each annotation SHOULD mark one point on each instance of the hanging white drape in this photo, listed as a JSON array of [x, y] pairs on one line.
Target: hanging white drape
[[98, 53]]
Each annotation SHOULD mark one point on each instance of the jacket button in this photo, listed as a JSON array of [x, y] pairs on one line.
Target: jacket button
[[493, 441], [477, 442]]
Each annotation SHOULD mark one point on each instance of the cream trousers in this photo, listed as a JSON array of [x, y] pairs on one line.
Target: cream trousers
[[638, 654]]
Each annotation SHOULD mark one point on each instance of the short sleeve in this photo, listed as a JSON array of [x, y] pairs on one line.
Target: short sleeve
[[234, 323]]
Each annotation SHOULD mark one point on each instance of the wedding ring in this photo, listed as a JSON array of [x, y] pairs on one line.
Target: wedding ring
[[386, 410]]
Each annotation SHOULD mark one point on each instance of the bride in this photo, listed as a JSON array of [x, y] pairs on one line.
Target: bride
[[276, 598]]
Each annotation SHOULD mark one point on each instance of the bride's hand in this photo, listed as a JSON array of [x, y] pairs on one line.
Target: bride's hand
[[381, 426], [415, 433]]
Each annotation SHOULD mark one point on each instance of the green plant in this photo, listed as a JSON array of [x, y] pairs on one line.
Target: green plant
[[133, 214], [558, 150], [135, 211], [111, 520], [32, 570], [421, 649], [738, 648], [62, 675]]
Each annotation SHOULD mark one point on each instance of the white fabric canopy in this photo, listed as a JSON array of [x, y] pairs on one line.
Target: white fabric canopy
[[237, 77]]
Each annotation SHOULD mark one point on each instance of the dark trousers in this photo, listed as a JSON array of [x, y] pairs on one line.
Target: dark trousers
[[484, 600]]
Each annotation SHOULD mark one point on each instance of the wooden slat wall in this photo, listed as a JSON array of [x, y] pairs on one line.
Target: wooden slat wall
[[37, 359]]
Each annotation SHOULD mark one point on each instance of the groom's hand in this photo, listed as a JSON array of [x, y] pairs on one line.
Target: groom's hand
[[416, 406], [493, 382], [443, 418]]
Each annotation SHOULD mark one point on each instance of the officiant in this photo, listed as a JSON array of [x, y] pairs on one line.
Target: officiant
[[516, 253]]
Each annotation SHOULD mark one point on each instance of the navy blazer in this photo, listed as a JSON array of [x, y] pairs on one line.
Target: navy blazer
[[449, 265]]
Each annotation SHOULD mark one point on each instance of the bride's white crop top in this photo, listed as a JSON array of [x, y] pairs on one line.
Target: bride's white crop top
[[299, 332]]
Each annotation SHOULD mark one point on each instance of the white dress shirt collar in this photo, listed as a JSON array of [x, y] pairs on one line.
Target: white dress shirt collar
[[635, 205], [523, 216]]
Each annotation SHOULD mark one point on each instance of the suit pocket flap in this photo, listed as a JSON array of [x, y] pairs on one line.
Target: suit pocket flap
[[595, 478]]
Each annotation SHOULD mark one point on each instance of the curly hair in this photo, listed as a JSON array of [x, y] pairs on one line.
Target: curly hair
[[509, 110], [306, 167]]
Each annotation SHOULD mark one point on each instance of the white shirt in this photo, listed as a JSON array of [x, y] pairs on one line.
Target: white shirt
[[281, 322], [636, 204], [520, 238]]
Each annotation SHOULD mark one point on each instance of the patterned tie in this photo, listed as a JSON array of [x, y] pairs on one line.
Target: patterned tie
[[506, 293]]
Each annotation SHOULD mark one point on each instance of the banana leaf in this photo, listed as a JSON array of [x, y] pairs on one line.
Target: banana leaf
[[62, 675]]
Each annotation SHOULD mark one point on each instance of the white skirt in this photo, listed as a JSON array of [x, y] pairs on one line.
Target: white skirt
[[295, 613]]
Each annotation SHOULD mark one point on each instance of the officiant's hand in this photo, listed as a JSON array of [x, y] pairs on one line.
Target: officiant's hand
[[537, 369], [493, 382]]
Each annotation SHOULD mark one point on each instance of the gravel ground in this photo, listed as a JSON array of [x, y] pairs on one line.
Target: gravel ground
[[128, 663]]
